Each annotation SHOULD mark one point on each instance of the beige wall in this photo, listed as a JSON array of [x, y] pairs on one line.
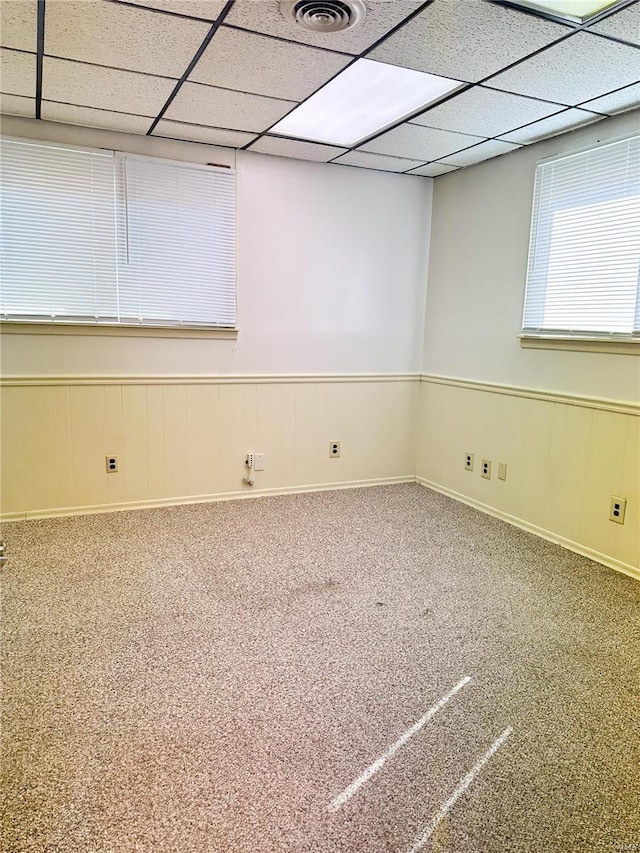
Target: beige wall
[[565, 459], [187, 440]]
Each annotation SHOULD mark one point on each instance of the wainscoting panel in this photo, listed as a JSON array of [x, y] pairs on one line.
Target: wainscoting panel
[[566, 456], [186, 438]]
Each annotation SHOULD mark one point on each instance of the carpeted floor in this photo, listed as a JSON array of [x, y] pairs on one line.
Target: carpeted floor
[[209, 678]]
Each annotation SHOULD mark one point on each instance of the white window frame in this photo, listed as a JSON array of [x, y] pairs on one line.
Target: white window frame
[[126, 329], [541, 338]]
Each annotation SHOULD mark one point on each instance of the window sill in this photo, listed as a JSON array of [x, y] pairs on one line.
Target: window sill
[[619, 347], [15, 327]]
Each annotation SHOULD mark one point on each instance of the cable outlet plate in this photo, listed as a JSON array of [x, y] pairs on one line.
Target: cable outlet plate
[[617, 509], [334, 449]]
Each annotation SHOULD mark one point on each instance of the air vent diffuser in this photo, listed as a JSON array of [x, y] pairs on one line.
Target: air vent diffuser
[[324, 16]]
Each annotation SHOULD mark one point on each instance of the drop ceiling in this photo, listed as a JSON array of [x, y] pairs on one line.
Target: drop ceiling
[[226, 73]]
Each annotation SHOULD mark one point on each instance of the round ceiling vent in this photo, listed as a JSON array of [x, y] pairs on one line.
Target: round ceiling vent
[[324, 16]]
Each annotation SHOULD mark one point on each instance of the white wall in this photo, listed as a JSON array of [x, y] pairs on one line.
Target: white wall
[[477, 271], [331, 273], [574, 440]]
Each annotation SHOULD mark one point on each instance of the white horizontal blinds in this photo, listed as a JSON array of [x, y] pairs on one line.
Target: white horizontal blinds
[[177, 254], [58, 245], [584, 258]]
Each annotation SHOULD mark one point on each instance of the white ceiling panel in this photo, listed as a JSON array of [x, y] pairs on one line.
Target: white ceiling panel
[[432, 170], [103, 88], [199, 133], [484, 151], [485, 112], [121, 37], [295, 149], [623, 25], [265, 66], [88, 117], [16, 105], [19, 24], [17, 73], [568, 120], [381, 162], [420, 143], [265, 17], [199, 104], [580, 68], [208, 9], [616, 102], [466, 40]]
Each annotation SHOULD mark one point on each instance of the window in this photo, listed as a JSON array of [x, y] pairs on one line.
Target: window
[[92, 236], [583, 279]]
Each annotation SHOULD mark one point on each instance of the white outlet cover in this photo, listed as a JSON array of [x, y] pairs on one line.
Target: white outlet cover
[[259, 462]]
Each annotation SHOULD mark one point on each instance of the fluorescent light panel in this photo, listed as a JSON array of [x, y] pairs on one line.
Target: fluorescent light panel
[[578, 11], [364, 98]]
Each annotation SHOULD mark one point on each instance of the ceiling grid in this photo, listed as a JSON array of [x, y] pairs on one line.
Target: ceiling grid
[[226, 73]]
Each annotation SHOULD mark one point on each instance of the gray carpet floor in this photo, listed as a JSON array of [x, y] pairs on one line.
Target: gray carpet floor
[[208, 678]]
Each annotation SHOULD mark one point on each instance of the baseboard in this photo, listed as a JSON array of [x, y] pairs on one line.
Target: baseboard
[[549, 535], [196, 499]]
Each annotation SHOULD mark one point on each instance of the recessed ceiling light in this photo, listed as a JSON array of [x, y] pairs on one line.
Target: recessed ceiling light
[[577, 11], [364, 98]]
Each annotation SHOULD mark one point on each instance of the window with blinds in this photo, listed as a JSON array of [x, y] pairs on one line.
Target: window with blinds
[[583, 277], [91, 236]]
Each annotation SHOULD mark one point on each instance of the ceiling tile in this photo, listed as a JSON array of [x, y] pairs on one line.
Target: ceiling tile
[[297, 150], [104, 88], [200, 133], [208, 9], [616, 102], [382, 15], [432, 170], [466, 40], [87, 117], [568, 120], [582, 67], [376, 161], [623, 25], [122, 37], [485, 112], [265, 66], [484, 151], [199, 104], [419, 143], [16, 105], [18, 73], [19, 24]]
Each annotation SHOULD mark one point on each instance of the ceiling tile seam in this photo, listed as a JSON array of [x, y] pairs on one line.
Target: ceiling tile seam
[[304, 44], [110, 67], [95, 109], [243, 92], [606, 95], [18, 50], [39, 56], [297, 139], [205, 43], [361, 55], [526, 97], [163, 12], [609, 37], [207, 126]]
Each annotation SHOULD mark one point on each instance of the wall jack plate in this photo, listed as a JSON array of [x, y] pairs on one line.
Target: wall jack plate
[[485, 471], [111, 464], [617, 509], [334, 449], [468, 461]]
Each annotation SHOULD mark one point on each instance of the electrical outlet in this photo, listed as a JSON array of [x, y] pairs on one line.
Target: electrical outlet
[[111, 464], [502, 470], [334, 449], [468, 461], [485, 471], [617, 509]]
